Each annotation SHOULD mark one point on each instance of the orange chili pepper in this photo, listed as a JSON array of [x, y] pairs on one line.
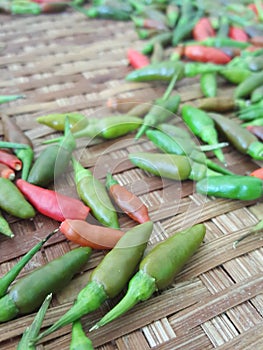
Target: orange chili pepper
[[206, 54], [10, 160], [257, 173], [87, 235], [203, 29], [137, 59]]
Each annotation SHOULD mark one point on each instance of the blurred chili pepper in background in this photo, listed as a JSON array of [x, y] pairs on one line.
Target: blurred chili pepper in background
[[238, 34], [203, 29], [257, 173], [137, 59], [77, 121], [206, 54]]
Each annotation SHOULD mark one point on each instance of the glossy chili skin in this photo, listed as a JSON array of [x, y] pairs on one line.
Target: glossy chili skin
[[206, 54], [239, 137], [94, 194], [13, 202], [127, 201], [200, 123], [231, 186], [28, 293], [158, 269], [79, 340], [56, 121], [53, 204], [107, 281]]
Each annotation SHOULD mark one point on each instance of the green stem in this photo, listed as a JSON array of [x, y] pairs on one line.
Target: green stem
[[9, 98], [7, 144], [255, 229]]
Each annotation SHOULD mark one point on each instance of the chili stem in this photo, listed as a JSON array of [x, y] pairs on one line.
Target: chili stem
[[7, 144], [170, 87], [255, 229]]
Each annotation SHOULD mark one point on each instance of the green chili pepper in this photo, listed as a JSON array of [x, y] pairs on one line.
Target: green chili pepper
[[106, 12], [192, 69], [200, 123], [164, 39], [13, 202], [256, 122], [160, 111], [77, 121], [79, 340], [257, 94], [174, 131], [109, 277], [33, 330], [172, 14], [231, 186], [158, 269], [9, 98], [5, 229], [244, 141], [53, 160], [246, 87], [223, 29], [235, 75], [10, 276], [208, 84], [94, 194], [250, 113], [224, 42], [28, 293]]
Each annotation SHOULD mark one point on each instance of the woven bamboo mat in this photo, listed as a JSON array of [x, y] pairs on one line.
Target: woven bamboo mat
[[65, 63]]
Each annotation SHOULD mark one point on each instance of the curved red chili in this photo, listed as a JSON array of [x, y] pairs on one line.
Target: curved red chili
[[10, 160]]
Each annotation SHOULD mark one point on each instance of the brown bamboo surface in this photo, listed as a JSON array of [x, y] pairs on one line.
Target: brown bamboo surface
[[64, 63]]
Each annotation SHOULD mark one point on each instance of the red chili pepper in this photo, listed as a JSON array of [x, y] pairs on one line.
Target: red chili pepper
[[6, 172], [87, 235], [10, 160], [53, 204], [238, 34], [257, 130], [257, 173], [137, 59], [206, 54], [253, 7], [127, 201], [203, 29]]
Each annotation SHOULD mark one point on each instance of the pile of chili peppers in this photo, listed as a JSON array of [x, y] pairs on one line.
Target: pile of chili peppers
[[207, 42]]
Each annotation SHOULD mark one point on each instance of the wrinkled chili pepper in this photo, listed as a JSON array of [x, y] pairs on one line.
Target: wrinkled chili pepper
[[6, 172], [28, 293], [94, 194], [52, 203], [238, 136], [137, 59], [13, 133], [5, 229], [53, 160], [257, 173], [106, 281], [158, 269], [208, 84], [33, 330], [77, 121], [9, 98], [238, 34], [127, 201], [206, 54], [231, 186], [203, 29], [13, 202], [88, 235], [79, 340], [200, 123], [256, 130], [10, 276], [160, 111], [10, 160], [246, 87]]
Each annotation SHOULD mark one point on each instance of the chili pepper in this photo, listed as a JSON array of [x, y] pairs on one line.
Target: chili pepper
[[107, 12], [200, 123], [257, 173], [33, 330], [109, 278], [13, 133], [140, 110], [94, 194], [184, 146], [6, 172], [246, 87], [257, 94], [53, 160], [255, 229], [149, 23], [158, 269], [146, 34], [13, 202], [107, 128], [77, 121], [5, 229], [157, 71], [28, 293], [25, 7], [79, 340], [206, 54], [250, 113], [10, 276], [223, 29], [238, 34], [208, 84], [256, 130], [127, 201], [160, 111], [10, 160], [255, 63], [235, 75], [238, 136], [172, 14], [231, 186], [137, 59], [219, 42], [163, 38], [174, 131], [255, 122], [220, 104], [52, 203], [9, 98], [192, 69], [87, 235], [203, 29]]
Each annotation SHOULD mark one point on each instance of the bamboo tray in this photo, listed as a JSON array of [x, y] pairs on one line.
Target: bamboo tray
[[64, 63]]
